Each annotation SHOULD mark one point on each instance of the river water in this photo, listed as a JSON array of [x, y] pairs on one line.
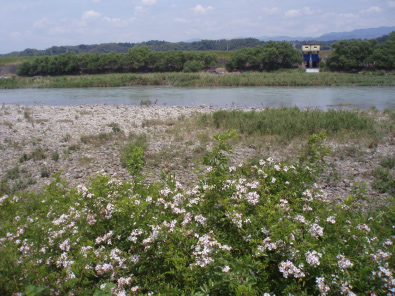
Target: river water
[[240, 97]]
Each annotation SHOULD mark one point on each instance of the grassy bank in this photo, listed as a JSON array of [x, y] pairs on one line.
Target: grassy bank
[[281, 78], [15, 60]]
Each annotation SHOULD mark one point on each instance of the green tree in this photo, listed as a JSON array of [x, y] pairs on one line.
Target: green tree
[[193, 66], [383, 56], [68, 63], [43, 65], [175, 60], [24, 69], [138, 57], [271, 56], [351, 55], [92, 63], [240, 60]]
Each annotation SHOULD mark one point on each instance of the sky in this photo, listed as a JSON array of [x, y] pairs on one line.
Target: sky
[[41, 24]]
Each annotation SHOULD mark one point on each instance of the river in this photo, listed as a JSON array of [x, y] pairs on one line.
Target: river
[[240, 97]]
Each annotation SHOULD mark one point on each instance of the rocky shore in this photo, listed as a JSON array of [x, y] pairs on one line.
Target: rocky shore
[[80, 141]]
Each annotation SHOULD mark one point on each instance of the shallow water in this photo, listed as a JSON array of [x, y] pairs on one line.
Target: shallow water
[[302, 97]]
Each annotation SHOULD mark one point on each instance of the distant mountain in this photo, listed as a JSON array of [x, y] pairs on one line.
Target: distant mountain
[[370, 33], [201, 45], [282, 38]]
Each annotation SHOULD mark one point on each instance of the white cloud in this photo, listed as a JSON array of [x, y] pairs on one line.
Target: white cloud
[[293, 12], [143, 7], [391, 3], [139, 9], [373, 9], [42, 23], [201, 10], [57, 30], [15, 35], [348, 15], [180, 20], [298, 12], [90, 15], [116, 22], [148, 2], [95, 1], [271, 11], [91, 22], [308, 11]]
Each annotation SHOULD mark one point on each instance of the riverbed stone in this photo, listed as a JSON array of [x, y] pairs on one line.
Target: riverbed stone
[[59, 128]]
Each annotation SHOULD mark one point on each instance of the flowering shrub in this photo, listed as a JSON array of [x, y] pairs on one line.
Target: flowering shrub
[[244, 230]]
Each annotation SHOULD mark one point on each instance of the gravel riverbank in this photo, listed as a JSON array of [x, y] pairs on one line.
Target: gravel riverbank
[[41, 132], [79, 141]]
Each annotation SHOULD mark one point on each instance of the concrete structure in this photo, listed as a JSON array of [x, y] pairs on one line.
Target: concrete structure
[[311, 56]]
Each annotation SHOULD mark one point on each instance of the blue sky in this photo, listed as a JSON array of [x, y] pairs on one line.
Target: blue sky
[[42, 23]]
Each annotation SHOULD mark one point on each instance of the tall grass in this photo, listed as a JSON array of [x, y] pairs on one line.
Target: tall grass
[[289, 123], [280, 78]]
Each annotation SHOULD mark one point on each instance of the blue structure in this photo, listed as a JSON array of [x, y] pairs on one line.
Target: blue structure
[[311, 56]]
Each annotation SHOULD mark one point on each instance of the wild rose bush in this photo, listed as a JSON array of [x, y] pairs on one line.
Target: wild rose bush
[[263, 229]]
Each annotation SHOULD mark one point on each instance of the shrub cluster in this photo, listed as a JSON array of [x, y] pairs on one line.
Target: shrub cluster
[[260, 229]]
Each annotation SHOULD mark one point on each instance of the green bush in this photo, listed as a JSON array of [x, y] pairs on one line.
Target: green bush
[[4, 187], [13, 173], [55, 155], [242, 230], [45, 172], [193, 66], [384, 180], [115, 127], [136, 161], [38, 154], [128, 151], [19, 185], [24, 157], [388, 162]]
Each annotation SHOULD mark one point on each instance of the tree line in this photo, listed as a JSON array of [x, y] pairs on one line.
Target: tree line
[[356, 55], [270, 56], [348, 56], [138, 59]]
